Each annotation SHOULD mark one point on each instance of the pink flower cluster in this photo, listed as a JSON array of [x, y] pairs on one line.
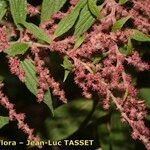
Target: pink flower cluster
[[13, 116], [32, 11], [136, 61], [45, 80], [140, 14], [111, 82], [3, 39], [73, 2], [14, 65]]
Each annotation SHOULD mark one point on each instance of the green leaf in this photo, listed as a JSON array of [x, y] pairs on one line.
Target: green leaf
[[121, 2], [84, 22], [3, 6], [59, 4], [104, 136], [17, 48], [119, 23], [120, 138], [37, 32], [140, 36], [144, 93], [48, 100], [68, 66], [148, 117], [67, 119], [30, 76], [79, 41], [67, 23], [123, 50], [67, 72], [1, 78], [93, 8], [2, 13], [49, 7], [31, 82], [97, 59], [127, 49], [3, 121], [18, 10]]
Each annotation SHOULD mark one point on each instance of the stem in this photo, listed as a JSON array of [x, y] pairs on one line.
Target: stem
[[33, 44]]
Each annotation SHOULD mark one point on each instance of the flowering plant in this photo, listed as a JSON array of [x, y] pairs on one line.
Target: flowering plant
[[100, 45]]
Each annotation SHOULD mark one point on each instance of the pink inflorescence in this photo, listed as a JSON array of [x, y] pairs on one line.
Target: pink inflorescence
[[136, 61], [140, 14], [32, 11], [14, 65], [45, 80], [13, 116], [3, 39], [73, 2]]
